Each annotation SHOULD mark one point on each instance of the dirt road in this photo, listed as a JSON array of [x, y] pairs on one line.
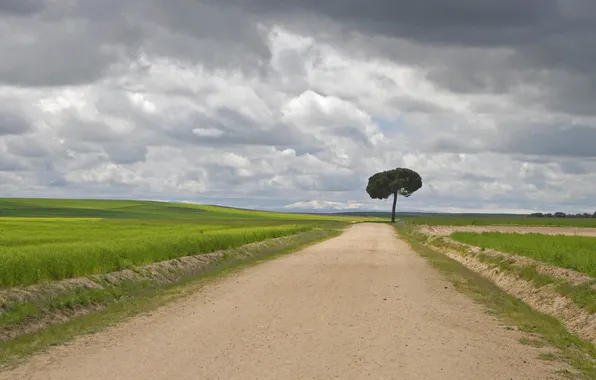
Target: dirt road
[[360, 306]]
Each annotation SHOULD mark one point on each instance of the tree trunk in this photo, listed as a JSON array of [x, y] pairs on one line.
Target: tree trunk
[[394, 204]]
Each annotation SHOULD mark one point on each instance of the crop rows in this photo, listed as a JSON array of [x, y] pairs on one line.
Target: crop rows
[[36, 251], [571, 252], [500, 220]]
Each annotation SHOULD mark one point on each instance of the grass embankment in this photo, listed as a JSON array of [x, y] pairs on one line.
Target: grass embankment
[[549, 331], [502, 220], [572, 252]]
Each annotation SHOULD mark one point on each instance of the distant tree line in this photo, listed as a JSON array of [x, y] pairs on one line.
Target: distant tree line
[[563, 215]]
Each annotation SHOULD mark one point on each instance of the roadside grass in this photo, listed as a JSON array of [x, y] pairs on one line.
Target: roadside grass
[[457, 220], [18, 313], [129, 299], [572, 252], [538, 343], [579, 354]]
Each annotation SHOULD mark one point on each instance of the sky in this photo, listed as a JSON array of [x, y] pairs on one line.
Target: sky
[[295, 103]]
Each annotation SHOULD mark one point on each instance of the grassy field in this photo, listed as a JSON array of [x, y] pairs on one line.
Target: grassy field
[[44, 239], [461, 220], [571, 252]]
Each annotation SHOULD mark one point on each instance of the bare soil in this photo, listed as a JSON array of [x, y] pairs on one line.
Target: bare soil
[[570, 231], [360, 306]]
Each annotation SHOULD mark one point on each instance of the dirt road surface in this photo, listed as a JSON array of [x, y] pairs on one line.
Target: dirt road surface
[[360, 306]]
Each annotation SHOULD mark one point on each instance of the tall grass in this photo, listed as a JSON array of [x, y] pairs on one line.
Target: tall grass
[[571, 252], [32, 231], [22, 264]]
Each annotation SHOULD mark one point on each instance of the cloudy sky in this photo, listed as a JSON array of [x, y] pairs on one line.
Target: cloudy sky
[[263, 103]]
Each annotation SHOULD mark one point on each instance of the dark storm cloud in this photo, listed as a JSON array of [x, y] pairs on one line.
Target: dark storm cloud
[[477, 178], [29, 147], [537, 140], [10, 163], [451, 41], [571, 92], [209, 26], [21, 7], [11, 124], [574, 141], [458, 21], [229, 127], [407, 104], [75, 129], [60, 46], [575, 167], [83, 41], [125, 154]]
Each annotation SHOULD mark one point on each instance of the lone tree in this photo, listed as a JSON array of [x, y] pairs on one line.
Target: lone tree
[[400, 181]]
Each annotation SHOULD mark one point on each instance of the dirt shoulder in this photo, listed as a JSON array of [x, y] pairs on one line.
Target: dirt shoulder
[[570, 231], [360, 306]]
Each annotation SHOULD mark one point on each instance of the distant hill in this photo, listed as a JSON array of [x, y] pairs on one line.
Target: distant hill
[[381, 214], [127, 209]]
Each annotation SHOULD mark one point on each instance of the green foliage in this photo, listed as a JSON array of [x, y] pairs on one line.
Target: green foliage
[[572, 252], [401, 181]]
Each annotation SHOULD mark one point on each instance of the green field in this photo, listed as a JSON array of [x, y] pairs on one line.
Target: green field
[[49, 239], [123, 209], [463, 220], [571, 252]]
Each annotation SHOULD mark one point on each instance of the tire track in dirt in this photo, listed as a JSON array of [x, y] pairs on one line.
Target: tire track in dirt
[[360, 306]]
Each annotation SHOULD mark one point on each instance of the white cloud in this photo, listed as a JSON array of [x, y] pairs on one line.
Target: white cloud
[[282, 117], [324, 205], [207, 132]]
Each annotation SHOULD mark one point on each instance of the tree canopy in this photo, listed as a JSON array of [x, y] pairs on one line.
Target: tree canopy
[[399, 181]]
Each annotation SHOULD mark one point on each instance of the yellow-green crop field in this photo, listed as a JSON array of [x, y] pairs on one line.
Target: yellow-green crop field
[[506, 220], [571, 252], [48, 239]]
